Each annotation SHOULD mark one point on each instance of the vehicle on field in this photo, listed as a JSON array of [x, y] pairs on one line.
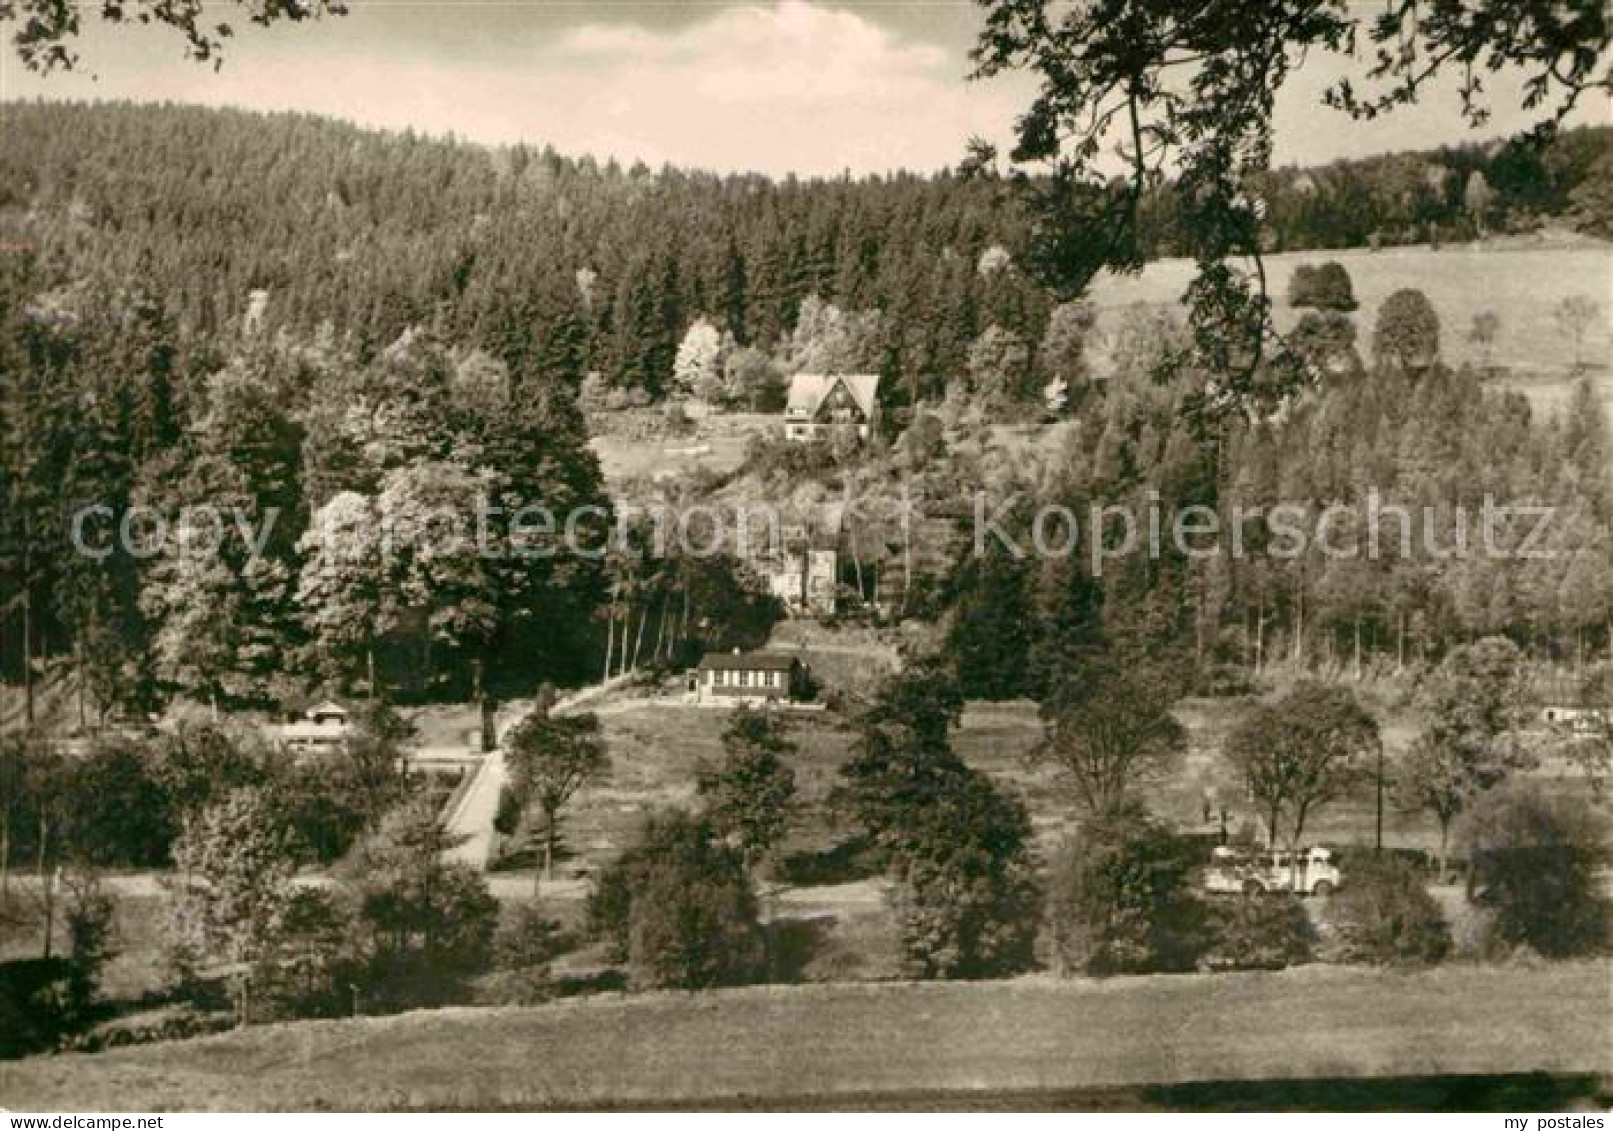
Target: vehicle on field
[[1234, 871]]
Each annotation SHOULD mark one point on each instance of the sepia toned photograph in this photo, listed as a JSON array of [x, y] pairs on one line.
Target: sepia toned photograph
[[870, 556]]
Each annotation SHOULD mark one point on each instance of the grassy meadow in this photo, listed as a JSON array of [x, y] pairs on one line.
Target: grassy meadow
[[1521, 282], [657, 745], [964, 1042]]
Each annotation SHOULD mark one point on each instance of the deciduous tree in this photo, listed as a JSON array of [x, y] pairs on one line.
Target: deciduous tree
[[1300, 753], [551, 758], [749, 795]]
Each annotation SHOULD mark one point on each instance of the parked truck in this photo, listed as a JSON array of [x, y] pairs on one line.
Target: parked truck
[[1232, 871]]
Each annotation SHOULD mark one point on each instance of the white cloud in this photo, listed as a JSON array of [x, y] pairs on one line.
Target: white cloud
[[781, 88], [777, 88], [774, 87]]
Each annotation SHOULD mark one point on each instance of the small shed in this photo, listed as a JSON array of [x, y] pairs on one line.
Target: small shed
[[328, 712], [323, 725]]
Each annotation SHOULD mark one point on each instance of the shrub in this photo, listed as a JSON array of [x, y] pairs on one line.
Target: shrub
[[168, 1023], [424, 926], [1120, 901], [526, 938], [121, 815], [1406, 336], [679, 909], [1331, 288], [90, 934], [966, 916], [309, 969], [1265, 933], [1302, 286], [678, 422], [508, 816], [229, 894], [526, 942], [770, 454], [924, 441], [1384, 915], [1535, 863], [34, 1014]]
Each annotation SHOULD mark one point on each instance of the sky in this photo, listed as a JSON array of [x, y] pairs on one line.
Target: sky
[[774, 86]]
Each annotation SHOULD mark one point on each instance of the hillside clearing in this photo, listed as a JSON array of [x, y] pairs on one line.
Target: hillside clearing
[[1520, 283], [1030, 1035]]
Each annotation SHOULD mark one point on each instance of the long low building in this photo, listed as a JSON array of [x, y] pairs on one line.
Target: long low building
[[731, 678]]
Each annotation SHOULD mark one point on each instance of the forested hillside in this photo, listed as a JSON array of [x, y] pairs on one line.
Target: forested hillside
[[1409, 462], [564, 266], [353, 331]]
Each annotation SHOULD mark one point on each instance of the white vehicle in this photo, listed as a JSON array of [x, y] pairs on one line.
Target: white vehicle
[[1257, 872]]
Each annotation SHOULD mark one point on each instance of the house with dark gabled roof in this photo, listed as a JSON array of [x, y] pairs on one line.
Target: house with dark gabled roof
[[819, 403], [728, 679]]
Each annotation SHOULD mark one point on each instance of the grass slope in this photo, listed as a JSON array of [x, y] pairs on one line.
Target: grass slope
[[1028, 1036], [1521, 284]]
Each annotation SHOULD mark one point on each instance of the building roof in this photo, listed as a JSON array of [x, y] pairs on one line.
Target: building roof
[[747, 662], [807, 391], [327, 707]]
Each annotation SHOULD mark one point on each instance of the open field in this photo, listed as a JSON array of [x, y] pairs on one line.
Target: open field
[[656, 749], [1520, 283], [657, 745], [817, 1043]]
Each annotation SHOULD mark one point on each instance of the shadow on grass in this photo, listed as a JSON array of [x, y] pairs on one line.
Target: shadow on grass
[[1538, 1092]]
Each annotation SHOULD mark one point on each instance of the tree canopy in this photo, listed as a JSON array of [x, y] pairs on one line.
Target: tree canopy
[[1182, 93]]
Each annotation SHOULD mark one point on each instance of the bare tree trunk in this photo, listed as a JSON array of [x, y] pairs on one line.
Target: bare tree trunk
[[627, 631], [27, 634], [550, 837], [1198, 629], [683, 622], [1400, 643], [610, 632], [489, 714], [47, 883], [1299, 620], [1260, 638], [638, 641], [857, 567], [660, 628], [81, 690], [1358, 646]]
